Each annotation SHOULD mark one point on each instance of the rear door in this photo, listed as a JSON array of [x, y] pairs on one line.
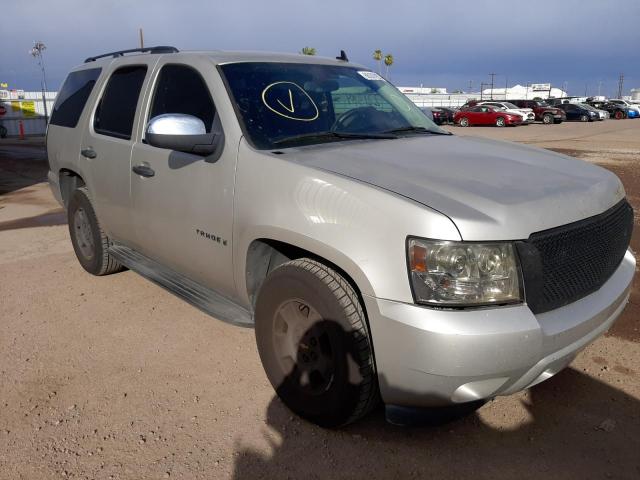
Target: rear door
[[572, 111], [486, 117], [183, 214], [106, 146]]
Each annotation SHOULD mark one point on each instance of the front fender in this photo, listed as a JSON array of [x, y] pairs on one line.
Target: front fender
[[360, 228]]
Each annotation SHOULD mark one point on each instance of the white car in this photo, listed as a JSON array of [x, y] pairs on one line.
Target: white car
[[526, 113], [629, 105], [602, 114]]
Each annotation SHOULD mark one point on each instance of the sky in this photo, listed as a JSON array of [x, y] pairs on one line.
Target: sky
[[582, 44]]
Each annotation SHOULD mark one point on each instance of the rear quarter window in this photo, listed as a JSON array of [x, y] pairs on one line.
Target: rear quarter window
[[73, 96]]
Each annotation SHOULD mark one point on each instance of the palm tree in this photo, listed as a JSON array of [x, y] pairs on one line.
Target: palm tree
[[308, 51], [388, 61], [377, 56]]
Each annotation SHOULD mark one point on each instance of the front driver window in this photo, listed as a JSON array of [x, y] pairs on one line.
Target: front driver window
[[181, 89]]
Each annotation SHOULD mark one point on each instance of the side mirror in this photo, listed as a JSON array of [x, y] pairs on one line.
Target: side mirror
[[178, 131]]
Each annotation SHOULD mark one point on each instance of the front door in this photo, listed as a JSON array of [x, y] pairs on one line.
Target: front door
[[183, 213], [106, 148]]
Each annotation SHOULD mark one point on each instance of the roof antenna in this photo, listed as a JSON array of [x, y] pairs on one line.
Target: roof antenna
[[343, 56]]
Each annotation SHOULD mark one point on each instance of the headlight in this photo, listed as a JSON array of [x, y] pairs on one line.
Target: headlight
[[457, 274]]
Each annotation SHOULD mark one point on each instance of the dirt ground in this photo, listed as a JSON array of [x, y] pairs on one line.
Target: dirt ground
[[114, 378]]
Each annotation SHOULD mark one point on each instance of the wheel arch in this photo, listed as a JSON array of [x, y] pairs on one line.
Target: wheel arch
[[69, 182], [266, 253]]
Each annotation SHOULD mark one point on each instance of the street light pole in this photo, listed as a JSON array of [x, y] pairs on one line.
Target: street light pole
[[36, 52]]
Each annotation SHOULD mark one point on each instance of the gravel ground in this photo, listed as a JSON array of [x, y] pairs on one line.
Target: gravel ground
[[113, 377]]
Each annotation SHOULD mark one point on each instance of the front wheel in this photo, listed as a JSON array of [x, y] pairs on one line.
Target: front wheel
[[500, 122], [584, 118], [547, 119], [314, 343], [619, 115], [89, 241]]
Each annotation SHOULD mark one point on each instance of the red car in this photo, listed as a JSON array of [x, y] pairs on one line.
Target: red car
[[485, 115]]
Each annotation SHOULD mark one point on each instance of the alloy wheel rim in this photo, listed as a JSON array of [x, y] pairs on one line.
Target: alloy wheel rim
[[84, 234], [302, 346]]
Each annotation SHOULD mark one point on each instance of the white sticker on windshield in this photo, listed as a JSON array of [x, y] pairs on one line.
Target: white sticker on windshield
[[370, 75]]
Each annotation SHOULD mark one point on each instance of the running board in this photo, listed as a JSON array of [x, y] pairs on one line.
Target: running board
[[200, 297]]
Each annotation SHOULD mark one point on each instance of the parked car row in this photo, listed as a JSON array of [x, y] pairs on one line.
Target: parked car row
[[501, 113], [580, 108]]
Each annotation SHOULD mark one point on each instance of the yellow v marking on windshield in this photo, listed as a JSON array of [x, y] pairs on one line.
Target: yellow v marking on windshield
[[290, 110]]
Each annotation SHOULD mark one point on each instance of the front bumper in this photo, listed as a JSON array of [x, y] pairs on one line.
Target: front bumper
[[427, 357]]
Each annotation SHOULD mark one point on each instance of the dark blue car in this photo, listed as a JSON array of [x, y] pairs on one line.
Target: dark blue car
[[578, 113]]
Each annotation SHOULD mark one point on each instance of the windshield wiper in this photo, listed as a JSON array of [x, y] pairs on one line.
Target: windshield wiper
[[330, 134], [412, 129]]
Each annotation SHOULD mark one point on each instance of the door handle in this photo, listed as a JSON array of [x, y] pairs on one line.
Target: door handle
[[88, 153], [143, 170]]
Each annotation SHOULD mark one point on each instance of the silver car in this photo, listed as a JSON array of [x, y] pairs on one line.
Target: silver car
[[376, 255]]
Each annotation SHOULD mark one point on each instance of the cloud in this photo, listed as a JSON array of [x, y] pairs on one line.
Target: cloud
[[433, 42]]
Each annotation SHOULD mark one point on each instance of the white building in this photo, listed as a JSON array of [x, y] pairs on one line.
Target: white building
[[439, 97], [520, 92], [635, 94], [24, 111]]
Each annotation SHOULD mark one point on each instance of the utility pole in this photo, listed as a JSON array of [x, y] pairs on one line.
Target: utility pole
[[141, 38], [620, 85], [492, 75], [599, 86], [482, 85], [36, 52], [470, 86], [506, 86]]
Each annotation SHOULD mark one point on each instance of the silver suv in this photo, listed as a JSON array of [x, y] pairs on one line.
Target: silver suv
[[376, 255]]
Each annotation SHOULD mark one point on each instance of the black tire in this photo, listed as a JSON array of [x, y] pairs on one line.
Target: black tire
[[89, 240], [500, 122], [464, 122], [337, 386], [547, 119], [584, 118]]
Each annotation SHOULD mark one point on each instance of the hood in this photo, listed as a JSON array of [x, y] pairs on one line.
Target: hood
[[491, 190]]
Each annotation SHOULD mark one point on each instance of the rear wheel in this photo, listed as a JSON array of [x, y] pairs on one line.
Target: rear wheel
[[618, 115], [547, 119], [464, 122], [314, 343], [584, 118], [89, 241], [500, 122]]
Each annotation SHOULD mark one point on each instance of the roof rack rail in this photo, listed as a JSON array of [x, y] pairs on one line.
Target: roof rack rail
[[120, 53]]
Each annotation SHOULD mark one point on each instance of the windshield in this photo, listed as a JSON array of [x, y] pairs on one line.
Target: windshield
[[292, 104], [588, 107], [509, 105]]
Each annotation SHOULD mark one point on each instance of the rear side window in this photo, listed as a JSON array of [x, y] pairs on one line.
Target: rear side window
[[73, 96], [117, 107], [181, 89]]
